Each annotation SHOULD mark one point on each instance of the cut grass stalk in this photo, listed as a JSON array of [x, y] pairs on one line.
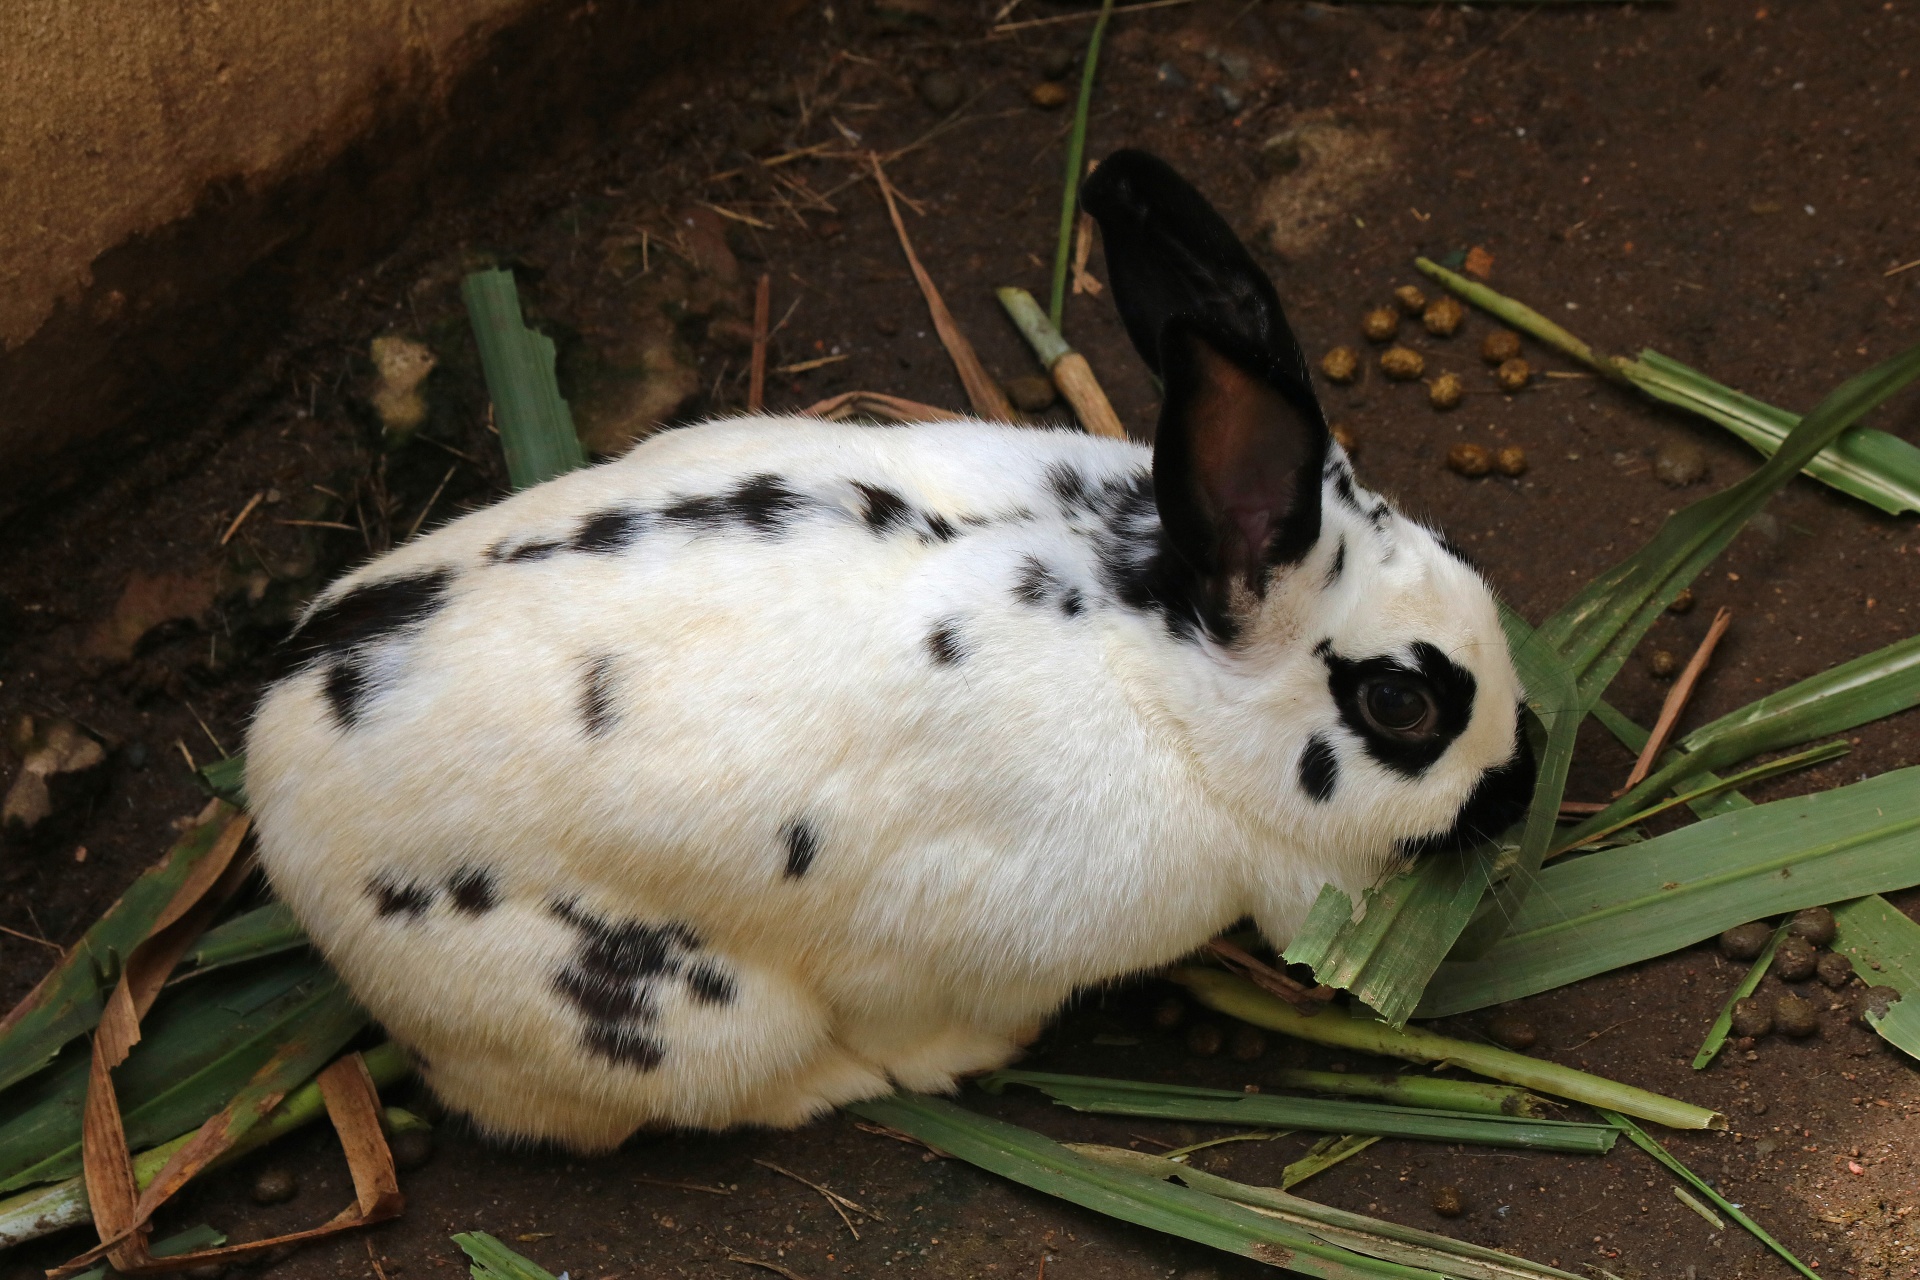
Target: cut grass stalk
[[1323, 1155], [1417, 1091], [536, 428], [1640, 1138], [1714, 1220], [1239, 998], [1102, 1096], [1069, 369], [1076, 161], [1870, 465], [1717, 1033], [494, 1261], [1884, 946]]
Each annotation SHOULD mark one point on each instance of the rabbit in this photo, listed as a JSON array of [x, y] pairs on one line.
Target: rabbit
[[782, 763]]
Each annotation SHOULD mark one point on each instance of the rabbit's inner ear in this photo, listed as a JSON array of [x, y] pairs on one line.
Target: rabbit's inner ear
[[1236, 465]]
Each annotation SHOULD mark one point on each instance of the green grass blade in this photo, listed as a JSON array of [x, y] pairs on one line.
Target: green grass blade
[[1356, 1231], [1640, 1139], [1416, 1091], [536, 429], [1248, 1110], [1323, 1155], [1631, 904], [1884, 946], [1045, 1165], [494, 1261], [1076, 162], [227, 778], [264, 931], [1717, 1033], [67, 1002], [1238, 998]]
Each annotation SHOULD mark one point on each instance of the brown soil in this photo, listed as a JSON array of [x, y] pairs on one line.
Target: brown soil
[[1723, 180]]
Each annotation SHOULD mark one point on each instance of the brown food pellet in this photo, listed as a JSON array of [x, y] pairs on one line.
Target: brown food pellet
[[1834, 969], [411, 1148], [1815, 924], [1203, 1038], [1662, 663], [1443, 317], [1380, 324], [1510, 460], [1445, 391], [1510, 1032], [1874, 1002], [1247, 1044], [1402, 364], [1448, 1202], [1049, 95], [1682, 603], [1030, 392], [1513, 375], [1344, 437], [1794, 960], [1500, 346], [1341, 364], [1469, 459], [1409, 299], [274, 1186], [1795, 1017], [1751, 1018], [1745, 941], [1169, 1013]]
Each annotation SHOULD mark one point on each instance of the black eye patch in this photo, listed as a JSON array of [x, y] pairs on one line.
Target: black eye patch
[[1450, 685]]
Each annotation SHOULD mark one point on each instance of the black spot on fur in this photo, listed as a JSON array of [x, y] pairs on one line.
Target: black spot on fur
[[608, 533], [596, 695], [707, 984], [370, 613], [1500, 799], [886, 510], [943, 642], [1319, 769], [345, 686], [802, 844], [606, 997], [763, 503], [394, 897], [1144, 573], [940, 529], [538, 549], [1343, 488], [625, 1047], [1453, 549], [1072, 603], [1070, 488], [473, 891], [1339, 565], [1378, 516], [628, 949], [1035, 582]]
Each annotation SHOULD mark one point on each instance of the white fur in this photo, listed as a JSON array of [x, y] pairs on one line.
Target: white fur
[[1077, 798]]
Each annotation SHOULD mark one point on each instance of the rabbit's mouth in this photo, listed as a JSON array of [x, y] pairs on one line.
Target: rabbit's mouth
[[1498, 800]]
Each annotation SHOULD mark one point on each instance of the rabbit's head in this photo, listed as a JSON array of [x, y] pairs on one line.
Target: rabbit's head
[[1370, 710]]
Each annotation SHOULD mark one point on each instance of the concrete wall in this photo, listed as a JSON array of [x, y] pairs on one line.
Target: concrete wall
[[175, 175]]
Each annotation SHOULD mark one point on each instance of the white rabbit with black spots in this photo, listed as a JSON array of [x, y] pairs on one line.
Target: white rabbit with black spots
[[781, 763]]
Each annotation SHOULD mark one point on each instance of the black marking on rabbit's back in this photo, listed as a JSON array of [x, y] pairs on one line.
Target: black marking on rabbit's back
[[345, 686], [614, 974], [525, 552], [606, 533], [370, 613], [473, 891], [1339, 565], [1035, 582], [885, 509], [762, 503], [625, 1047], [939, 528], [397, 897], [803, 845], [944, 643], [708, 984], [1319, 769], [1142, 572], [596, 695]]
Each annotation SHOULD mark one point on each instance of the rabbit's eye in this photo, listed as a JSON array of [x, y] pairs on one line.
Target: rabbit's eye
[[1399, 706]]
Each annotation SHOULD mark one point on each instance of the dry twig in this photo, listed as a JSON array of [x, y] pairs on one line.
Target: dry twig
[[241, 519], [1308, 1000], [1677, 702]]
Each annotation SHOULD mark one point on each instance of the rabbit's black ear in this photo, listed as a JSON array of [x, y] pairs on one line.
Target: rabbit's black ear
[[1236, 465], [1170, 254]]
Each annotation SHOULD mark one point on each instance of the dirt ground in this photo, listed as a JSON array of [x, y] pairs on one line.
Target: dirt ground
[[1729, 181]]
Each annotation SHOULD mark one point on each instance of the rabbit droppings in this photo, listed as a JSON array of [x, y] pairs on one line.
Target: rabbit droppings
[[782, 763]]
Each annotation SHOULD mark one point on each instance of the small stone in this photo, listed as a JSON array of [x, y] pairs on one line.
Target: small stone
[[1510, 460], [1682, 603], [940, 90], [1469, 459], [1661, 664], [274, 1186], [411, 1148], [1500, 346], [1815, 924], [1794, 960], [1448, 1202], [61, 767], [1745, 942], [1680, 463], [1795, 1017], [1409, 299], [1751, 1018], [1344, 437], [1757, 1106], [1510, 1032], [1169, 1013], [1874, 1003], [1513, 375], [1443, 317], [1204, 1039], [1402, 364], [1340, 364], [1049, 95], [1834, 969], [1247, 1043], [1380, 324], [1445, 391], [1030, 392]]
